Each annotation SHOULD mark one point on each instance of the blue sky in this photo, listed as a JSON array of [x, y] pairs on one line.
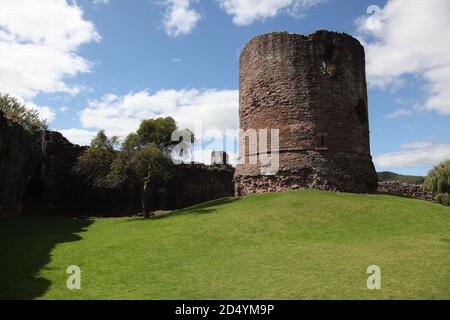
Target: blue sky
[[94, 65]]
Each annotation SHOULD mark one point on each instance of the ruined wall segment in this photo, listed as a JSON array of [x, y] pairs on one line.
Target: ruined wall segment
[[36, 178], [313, 89], [18, 157]]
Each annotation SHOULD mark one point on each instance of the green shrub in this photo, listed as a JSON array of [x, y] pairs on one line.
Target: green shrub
[[19, 113], [438, 182], [443, 198]]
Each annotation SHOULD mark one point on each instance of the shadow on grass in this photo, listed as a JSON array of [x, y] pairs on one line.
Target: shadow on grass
[[207, 206], [202, 208], [25, 249]]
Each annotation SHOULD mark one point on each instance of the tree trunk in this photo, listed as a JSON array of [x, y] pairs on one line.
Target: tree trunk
[[143, 206], [144, 201]]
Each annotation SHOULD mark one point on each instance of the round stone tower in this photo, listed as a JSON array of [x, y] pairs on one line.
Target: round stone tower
[[313, 90]]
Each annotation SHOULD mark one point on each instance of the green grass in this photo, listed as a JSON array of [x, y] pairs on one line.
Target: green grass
[[295, 245]]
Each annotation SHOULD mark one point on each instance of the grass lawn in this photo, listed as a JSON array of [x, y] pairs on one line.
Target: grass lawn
[[294, 245]]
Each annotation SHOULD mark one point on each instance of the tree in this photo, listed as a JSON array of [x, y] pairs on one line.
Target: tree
[[19, 113], [143, 164], [438, 182], [95, 162], [157, 131], [142, 159], [160, 132]]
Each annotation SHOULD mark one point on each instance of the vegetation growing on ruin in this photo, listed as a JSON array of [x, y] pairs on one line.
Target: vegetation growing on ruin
[[438, 182], [21, 114], [294, 245]]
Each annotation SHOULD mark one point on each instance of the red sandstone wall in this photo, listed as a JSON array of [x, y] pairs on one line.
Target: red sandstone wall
[[308, 87], [36, 178]]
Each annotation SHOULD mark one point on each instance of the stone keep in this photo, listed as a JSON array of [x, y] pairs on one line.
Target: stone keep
[[313, 90]]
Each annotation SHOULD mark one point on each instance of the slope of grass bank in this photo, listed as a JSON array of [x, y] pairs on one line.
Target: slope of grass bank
[[295, 245]]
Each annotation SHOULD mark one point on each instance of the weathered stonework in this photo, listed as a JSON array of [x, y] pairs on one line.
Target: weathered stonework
[[18, 157], [406, 190], [36, 178], [313, 90]]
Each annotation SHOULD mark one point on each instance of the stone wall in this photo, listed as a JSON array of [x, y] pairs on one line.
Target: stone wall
[[36, 178], [198, 183], [313, 90], [53, 188], [19, 155], [406, 190]]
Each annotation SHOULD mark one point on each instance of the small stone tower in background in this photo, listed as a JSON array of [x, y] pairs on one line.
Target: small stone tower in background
[[313, 90], [219, 157]]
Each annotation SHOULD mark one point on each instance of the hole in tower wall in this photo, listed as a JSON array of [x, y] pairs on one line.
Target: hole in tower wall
[[329, 60], [361, 111]]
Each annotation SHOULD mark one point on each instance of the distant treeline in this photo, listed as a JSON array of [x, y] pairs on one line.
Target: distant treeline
[[391, 176]]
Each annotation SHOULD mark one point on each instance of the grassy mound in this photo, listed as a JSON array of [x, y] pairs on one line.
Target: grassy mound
[[294, 245]]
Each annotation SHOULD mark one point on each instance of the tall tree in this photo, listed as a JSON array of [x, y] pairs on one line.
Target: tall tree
[[143, 164], [142, 159]]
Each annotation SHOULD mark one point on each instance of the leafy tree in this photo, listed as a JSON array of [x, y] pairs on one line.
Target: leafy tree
[[438, 182], [159, 131], [95, 162], [142, 164], [141, 160], [19, 113]]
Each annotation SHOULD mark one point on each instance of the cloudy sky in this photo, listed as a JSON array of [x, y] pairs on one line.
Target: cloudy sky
[[108, 64]]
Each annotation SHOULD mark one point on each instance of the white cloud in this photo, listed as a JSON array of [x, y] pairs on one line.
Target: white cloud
[[411, 40], [180, 18], [212, 109], [38, 46], [245, 12], [416, 154], [78, 136], [216, 109], [417, 145], [100, 1], [399, 113]]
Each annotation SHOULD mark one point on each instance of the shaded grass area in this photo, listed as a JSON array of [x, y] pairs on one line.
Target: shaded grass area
[[295, 245], [26, 246]]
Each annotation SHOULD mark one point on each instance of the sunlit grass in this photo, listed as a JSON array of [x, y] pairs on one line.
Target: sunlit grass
[[294, 245]]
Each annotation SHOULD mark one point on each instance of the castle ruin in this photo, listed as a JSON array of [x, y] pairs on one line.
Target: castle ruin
[[313, 90]]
